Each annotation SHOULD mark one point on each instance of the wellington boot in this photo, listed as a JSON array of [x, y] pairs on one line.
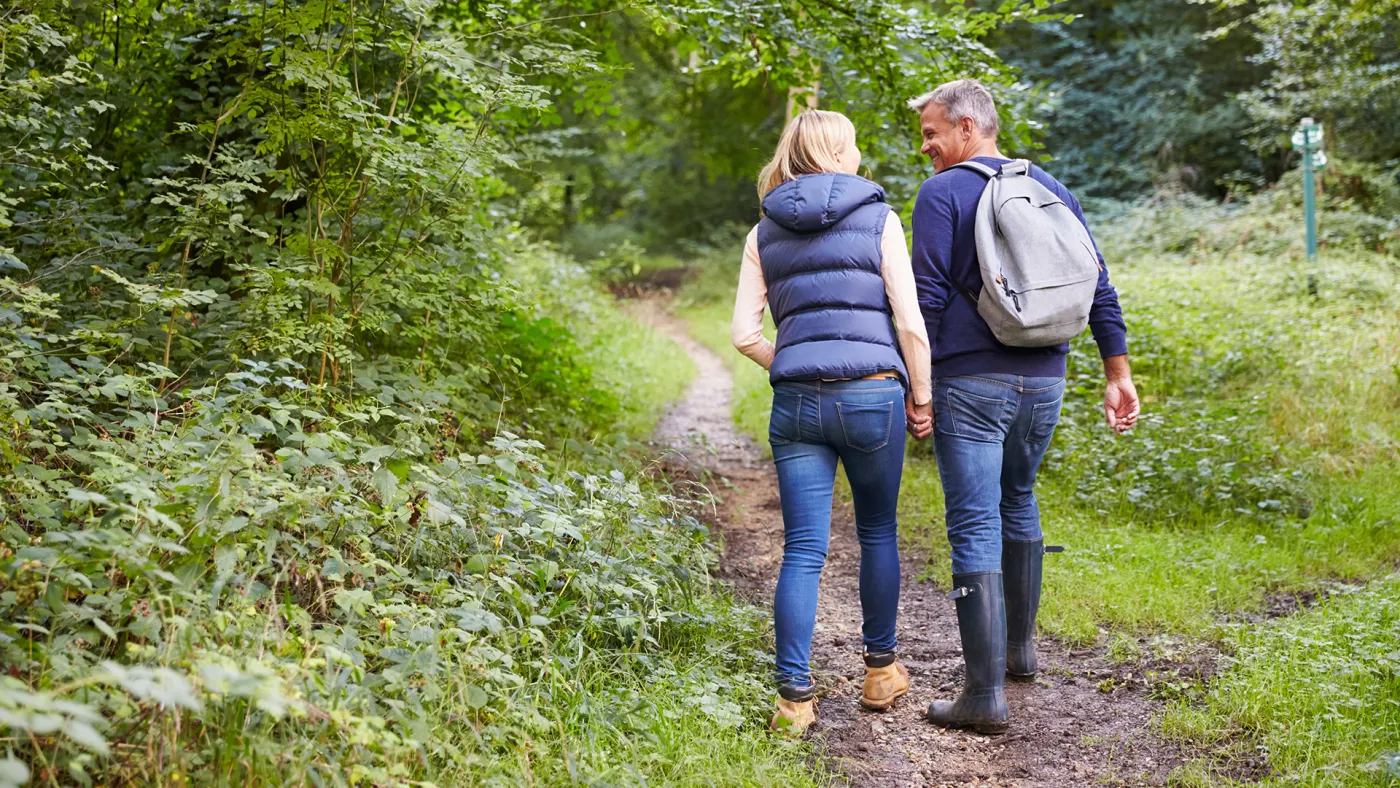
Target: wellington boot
[[982, 625], [793, 717], [1021, 564], [884, 683]]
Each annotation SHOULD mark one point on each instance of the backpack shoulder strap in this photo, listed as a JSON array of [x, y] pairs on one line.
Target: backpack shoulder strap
[[990, 174], [1016, 167], [977, 167]]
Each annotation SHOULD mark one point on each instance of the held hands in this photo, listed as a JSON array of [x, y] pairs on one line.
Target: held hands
[[918, 418]]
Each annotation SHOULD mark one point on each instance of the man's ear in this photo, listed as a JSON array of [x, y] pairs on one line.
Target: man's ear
[[967, 125]]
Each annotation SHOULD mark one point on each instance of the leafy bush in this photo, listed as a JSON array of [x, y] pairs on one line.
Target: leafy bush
[[254, 588], [289, 185], [1358, 206], [1254, 387]]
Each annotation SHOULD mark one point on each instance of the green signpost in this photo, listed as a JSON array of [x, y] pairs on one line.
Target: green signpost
[[1308, 140]]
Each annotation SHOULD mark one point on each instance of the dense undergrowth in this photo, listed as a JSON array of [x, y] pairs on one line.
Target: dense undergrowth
[[1264, 466], [263, 583], [270, 585]]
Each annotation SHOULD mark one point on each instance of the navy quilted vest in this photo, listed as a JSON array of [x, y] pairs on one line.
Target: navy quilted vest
[[819, 245]]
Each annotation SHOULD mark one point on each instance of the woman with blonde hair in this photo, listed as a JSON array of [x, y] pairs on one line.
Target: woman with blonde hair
[[829, 260]]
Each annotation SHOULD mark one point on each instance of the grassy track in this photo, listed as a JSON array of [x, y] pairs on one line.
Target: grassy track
[[1265, 465]]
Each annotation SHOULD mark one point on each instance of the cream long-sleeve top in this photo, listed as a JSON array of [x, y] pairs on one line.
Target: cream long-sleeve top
[[752, 298]]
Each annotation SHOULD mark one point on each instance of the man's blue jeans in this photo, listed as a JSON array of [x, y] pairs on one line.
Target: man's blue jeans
[[990, 434], [814, 423]]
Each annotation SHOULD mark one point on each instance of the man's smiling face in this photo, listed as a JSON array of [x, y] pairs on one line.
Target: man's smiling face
[[944, 142]]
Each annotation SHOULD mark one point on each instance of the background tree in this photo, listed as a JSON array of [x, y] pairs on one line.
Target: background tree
[[708, 87], [1337, 61], [1136, 93]]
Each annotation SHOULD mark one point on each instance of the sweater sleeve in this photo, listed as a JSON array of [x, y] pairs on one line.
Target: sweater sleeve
[[1105, 316], [932, 257], [904, 303], [746, 328]]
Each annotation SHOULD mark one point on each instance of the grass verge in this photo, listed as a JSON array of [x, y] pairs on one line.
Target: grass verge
[[1315, 695]]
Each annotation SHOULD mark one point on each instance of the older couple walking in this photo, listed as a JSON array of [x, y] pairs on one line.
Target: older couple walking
[[873, 342]]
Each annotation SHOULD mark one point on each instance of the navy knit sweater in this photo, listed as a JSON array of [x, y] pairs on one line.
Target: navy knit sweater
[[945, 262]]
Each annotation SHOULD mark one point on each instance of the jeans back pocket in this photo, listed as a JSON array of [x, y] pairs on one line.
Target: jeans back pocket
[[866, 425], [976, 417], [782, 421], [1044, 417]]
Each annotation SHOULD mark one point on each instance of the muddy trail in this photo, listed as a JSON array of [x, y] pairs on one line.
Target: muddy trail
[[1085, 721]]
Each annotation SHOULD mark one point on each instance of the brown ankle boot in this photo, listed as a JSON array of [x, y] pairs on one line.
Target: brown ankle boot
[[885, 680], [793, 717]]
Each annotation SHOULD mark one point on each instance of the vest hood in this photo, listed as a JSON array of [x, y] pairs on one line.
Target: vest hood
[[816, 202]]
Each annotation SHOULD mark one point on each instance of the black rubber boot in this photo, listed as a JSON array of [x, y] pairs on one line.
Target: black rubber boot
[[982, 624], [1021, 563]]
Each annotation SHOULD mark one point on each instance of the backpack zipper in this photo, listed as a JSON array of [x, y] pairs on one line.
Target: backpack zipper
[[1006, 287]]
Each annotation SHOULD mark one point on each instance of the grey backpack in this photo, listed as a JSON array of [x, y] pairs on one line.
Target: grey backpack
[[1039, 267]]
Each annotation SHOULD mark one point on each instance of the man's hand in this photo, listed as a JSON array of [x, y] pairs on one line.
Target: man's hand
[[1120, 399], [918, 418]]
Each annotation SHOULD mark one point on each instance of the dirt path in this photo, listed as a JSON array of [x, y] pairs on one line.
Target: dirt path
[[1085, 722]]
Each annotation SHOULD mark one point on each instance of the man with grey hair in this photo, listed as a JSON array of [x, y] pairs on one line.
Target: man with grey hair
[[994, 407]]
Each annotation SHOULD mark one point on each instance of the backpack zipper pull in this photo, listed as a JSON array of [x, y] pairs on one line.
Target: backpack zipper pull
[[1006, 286]]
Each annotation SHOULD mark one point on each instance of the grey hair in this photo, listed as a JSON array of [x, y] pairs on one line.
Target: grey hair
[[963, 98]]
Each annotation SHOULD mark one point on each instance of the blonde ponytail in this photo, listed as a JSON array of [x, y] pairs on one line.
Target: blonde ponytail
[[811, 143]]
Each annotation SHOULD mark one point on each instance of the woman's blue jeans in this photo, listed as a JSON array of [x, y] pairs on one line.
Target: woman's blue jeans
[[990, 434], [814, 423]]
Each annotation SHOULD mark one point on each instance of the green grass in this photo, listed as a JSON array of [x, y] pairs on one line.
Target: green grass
[[645, 370], [1317, 693], [1264, 464], [1181, 577]]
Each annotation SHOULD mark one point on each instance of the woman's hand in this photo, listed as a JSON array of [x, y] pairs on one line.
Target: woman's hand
[[918, 418]]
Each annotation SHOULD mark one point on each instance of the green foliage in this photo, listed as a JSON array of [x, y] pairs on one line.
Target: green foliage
[[306, 462], [707, 90], [1135, 94], [1252, 383], [1357, 204], [1268, 439], [1335, 60], [265, 182], [1203, 95], [294, 596], [1317, 693]]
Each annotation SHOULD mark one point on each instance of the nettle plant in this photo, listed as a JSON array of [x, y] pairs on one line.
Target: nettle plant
[[252, 586], [1205, 447]]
